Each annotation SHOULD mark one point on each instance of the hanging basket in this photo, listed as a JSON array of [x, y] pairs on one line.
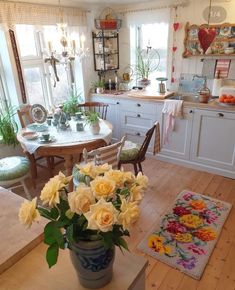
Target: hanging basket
[[108, 20]]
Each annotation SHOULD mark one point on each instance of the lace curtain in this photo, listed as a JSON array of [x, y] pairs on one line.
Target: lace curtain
[[25, 13]]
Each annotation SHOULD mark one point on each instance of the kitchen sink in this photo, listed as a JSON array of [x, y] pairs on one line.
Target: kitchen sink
[[192, 99]]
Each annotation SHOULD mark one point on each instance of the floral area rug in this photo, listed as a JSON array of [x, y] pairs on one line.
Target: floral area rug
[[187, 234]]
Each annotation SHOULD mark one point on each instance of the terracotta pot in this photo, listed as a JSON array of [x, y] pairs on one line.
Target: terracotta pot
[[93, 263]]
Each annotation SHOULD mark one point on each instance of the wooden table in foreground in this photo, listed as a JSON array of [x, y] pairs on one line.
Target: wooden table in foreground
[[22, 257]]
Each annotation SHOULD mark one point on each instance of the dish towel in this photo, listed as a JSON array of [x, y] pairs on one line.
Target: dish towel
[[173, 109], [157, 142]]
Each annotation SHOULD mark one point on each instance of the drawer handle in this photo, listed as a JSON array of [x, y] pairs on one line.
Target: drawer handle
[[138, 115], [137, 134], [138, 105], [191, 111], [117, 103], [221, 115]]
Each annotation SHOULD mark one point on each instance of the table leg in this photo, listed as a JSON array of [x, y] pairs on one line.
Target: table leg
[[68, 164]]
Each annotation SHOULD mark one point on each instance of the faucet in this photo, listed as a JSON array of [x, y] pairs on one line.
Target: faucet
[[201, 77]]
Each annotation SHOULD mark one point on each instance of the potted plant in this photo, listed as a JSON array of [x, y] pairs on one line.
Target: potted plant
[[92, 119], [70, 107], [8, 126], [99, 86], [147, 61], [90, 221]]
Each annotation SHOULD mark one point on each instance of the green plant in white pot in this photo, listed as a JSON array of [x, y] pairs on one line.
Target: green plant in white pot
[[92, 119], [99, 86]]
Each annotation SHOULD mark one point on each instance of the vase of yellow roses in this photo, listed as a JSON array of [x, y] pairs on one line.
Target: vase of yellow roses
[[90, 221]]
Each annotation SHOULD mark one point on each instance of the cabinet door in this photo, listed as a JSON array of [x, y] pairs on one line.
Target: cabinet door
[[112, 115], [213, 139], [179, 139]]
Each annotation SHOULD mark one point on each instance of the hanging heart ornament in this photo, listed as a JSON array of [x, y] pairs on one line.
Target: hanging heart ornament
[[206, 37], [176, 26]]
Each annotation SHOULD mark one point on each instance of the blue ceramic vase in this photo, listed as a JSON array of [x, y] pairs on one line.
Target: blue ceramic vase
[[93, 263]]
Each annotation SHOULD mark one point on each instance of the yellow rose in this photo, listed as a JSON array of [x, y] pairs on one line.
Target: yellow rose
[[129, 213], [81, 199], [117, 176], [142, 180], [28, 212], [102, 187], [88, 169], [102, 216], [50, 193], [101, 169], [136, 193], [129, 177], [191, 221]]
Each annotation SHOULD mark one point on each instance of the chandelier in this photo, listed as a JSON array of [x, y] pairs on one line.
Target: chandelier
[[64, 48]]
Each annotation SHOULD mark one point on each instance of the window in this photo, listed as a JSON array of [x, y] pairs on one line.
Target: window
[[41, 80], [155, 37]]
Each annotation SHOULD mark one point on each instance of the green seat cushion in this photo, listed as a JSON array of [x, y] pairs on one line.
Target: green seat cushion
[[129, 151], [13, 167]]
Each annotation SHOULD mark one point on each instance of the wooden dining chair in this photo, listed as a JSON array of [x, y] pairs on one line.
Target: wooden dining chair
[[138, 156], [98, 107], [25, 117], [108, 154]]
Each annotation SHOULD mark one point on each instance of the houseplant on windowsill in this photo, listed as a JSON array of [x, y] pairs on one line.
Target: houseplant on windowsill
[[98, 86], [70, 106], [89, 221], [8, 126], [92, 119]]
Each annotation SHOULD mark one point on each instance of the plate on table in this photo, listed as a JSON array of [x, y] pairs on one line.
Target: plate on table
[[39, 113], [37, 127], [30, 135], [42, 141]]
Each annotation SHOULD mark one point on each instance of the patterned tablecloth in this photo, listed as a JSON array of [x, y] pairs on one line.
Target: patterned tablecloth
[[69, 136]]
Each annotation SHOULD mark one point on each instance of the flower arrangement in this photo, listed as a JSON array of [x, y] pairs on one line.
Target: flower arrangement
[[102, 207]]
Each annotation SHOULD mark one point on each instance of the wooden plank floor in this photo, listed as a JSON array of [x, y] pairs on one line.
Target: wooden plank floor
[[166, 181]]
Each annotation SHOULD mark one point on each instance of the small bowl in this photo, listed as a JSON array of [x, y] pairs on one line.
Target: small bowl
[[30, 135]]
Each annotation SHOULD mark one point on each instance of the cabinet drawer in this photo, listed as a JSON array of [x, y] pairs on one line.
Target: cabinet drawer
[[136, 121], [139, 107]]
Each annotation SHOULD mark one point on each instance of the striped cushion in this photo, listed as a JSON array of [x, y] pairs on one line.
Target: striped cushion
[[13, 167]]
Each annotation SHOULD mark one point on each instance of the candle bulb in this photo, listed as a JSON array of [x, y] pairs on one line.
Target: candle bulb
[[116, 79], [73, 44], [82, 41], [109, 81], [50, 46]]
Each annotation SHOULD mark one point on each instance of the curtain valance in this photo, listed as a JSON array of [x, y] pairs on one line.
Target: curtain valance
[[24, 13]]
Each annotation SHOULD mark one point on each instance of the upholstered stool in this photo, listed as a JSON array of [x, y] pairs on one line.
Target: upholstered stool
[[14, 169]]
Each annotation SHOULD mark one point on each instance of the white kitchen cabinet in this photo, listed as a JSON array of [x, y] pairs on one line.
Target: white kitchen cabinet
[[179, 139], [213, 140], [112, 114]]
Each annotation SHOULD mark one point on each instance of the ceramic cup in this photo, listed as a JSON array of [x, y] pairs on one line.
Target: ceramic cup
[[78, 116], [79, 126], [46, 137], [49, 120]]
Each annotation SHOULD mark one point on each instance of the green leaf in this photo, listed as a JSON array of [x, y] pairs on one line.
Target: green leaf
[[53, 234], [122, 243], [45, 213], [52, 254], [69, 214]]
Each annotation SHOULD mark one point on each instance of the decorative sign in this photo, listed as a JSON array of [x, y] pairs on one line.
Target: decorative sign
[[218, 14]]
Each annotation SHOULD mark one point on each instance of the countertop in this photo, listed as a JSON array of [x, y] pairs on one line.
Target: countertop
[[213, 104]]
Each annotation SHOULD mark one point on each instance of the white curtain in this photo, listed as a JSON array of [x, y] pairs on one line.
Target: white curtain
[[25, 13], [147, 16]]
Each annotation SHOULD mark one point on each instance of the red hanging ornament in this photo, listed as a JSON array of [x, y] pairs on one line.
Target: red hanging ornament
[[173, 68], [176, 26], [206, 37], [172, 80], [174, 48]]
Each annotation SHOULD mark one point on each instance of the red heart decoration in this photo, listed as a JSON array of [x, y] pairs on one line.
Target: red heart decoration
[[173, 68], [172, 80], [176, 26], [206, 37], [174, 48]]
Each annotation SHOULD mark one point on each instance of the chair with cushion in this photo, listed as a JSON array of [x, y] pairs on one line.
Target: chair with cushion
[[108, 154], [14, 169], [135, 154], [98, 107], [25, 117]]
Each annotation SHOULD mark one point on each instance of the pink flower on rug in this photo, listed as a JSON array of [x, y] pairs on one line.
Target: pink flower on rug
[[188, 196], [196, 250], [209, 216], [174, 227], [180, 210], [187, 263]]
